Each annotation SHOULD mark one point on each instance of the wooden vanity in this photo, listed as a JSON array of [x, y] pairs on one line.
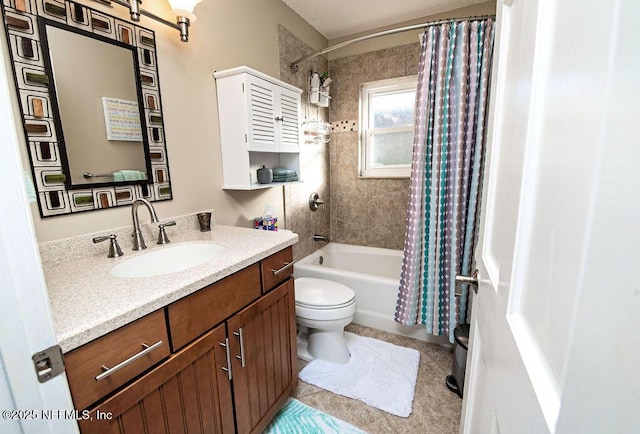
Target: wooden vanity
[[219, 360]]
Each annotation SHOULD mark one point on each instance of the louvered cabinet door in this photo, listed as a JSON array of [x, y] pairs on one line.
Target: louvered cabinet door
[[263, 336], [289, 124], [189, 393], [262, 135]]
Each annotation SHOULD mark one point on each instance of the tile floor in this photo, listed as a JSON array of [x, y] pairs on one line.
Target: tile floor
[[435, 408]]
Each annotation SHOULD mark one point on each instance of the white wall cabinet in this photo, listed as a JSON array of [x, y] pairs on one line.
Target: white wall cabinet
[[260, 125]]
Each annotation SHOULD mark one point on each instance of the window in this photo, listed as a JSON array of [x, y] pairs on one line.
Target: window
[[386, 127]]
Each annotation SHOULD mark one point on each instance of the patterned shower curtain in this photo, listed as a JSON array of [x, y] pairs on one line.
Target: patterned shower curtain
[[446, 173]]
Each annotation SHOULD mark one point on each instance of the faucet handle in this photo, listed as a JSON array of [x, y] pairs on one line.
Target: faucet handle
[[114, 247], [315, 202], [162, 234]]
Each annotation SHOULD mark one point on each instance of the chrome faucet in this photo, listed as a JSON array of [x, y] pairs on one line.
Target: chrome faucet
[[138, 241], [315, 202], [317, 237]]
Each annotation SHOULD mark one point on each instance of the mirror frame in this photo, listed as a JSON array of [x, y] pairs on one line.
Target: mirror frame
[[24, 21]]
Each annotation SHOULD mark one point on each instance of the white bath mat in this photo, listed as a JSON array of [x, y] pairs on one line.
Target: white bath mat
[[380, 374]]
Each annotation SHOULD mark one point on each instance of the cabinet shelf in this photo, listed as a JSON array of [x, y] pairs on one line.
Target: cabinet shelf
[[258, 186]]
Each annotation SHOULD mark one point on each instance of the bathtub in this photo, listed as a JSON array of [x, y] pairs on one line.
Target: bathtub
[[374, 275]]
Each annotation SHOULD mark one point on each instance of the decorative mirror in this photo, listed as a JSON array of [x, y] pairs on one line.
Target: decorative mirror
[[89, 96]]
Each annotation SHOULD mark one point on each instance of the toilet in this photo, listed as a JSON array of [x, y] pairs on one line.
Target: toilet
[[323, 309]]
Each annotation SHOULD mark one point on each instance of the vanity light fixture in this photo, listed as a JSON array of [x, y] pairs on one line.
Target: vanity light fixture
[[134, 8], [182, 10]]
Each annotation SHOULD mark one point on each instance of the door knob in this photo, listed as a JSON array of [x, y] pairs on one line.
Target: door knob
[[468, 280]]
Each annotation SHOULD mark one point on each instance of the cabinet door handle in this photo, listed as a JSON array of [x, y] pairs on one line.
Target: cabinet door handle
[[225, 344], [281, 269], [108, 371], [241, 356], [279, 118]]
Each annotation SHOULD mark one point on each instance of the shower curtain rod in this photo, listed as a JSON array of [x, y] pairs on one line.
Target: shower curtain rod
[[294, 65]]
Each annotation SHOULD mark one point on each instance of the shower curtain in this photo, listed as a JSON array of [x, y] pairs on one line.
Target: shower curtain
[[446, 173]]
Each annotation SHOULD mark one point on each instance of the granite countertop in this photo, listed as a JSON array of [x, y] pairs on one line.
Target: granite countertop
[[87, 302]]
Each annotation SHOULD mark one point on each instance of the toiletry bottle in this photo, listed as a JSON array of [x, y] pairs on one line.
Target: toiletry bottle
[[314, 95]]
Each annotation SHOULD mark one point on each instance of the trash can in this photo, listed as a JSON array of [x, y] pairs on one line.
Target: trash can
[[455, 381]]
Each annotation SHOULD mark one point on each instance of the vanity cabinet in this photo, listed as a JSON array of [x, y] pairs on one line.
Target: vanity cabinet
[[233, 363], [264, 368], [260, 125], [193, 315], [188, 393], [143, 342]]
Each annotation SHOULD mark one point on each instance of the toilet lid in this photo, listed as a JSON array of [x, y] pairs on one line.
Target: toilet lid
[[322, 294]]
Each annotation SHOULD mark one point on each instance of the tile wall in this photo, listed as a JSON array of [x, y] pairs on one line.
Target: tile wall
[[364, 211], [368, 212], [314, 157]]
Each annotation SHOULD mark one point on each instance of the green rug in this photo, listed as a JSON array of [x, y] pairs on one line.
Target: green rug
[[298, 418]]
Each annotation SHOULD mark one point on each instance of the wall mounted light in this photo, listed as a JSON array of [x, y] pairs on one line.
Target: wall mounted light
[[182, 10], [134, 8]]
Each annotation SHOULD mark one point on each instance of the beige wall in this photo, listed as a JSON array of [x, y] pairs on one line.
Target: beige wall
[[226, 34], [229, 34]]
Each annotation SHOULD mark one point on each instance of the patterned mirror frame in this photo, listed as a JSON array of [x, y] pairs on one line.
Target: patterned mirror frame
[[21, 19]]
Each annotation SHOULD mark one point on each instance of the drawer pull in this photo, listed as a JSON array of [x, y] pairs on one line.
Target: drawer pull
[[280, 270], [241, 356], [108, 371], [227, 369]]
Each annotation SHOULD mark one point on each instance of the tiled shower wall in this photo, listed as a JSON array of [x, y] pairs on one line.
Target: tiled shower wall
[[314, 157], [364, 211]]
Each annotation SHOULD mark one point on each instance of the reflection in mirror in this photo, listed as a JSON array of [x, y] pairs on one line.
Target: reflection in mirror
[[95, 86], [87, 84]]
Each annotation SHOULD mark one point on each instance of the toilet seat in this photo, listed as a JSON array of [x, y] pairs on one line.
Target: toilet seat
[[320, 294], [305, 313]]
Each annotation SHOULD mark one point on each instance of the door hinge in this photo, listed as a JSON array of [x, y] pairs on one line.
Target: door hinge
[[245, 138], [48, 363]]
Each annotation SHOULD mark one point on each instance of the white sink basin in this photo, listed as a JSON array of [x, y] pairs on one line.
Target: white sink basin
[[167, 260]]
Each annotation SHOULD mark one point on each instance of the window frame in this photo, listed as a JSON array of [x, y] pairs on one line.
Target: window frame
[[367, 91]]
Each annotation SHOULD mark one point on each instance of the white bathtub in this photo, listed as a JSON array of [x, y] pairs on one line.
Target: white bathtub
[[374, 275]]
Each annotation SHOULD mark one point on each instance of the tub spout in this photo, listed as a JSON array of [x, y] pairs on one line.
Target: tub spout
[[317, 237]]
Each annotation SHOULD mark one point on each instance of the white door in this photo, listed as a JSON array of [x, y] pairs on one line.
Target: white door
[[25, 319], [554, 329]]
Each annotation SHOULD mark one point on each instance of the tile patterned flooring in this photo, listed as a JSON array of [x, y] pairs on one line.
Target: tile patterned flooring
[[435, 408]]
